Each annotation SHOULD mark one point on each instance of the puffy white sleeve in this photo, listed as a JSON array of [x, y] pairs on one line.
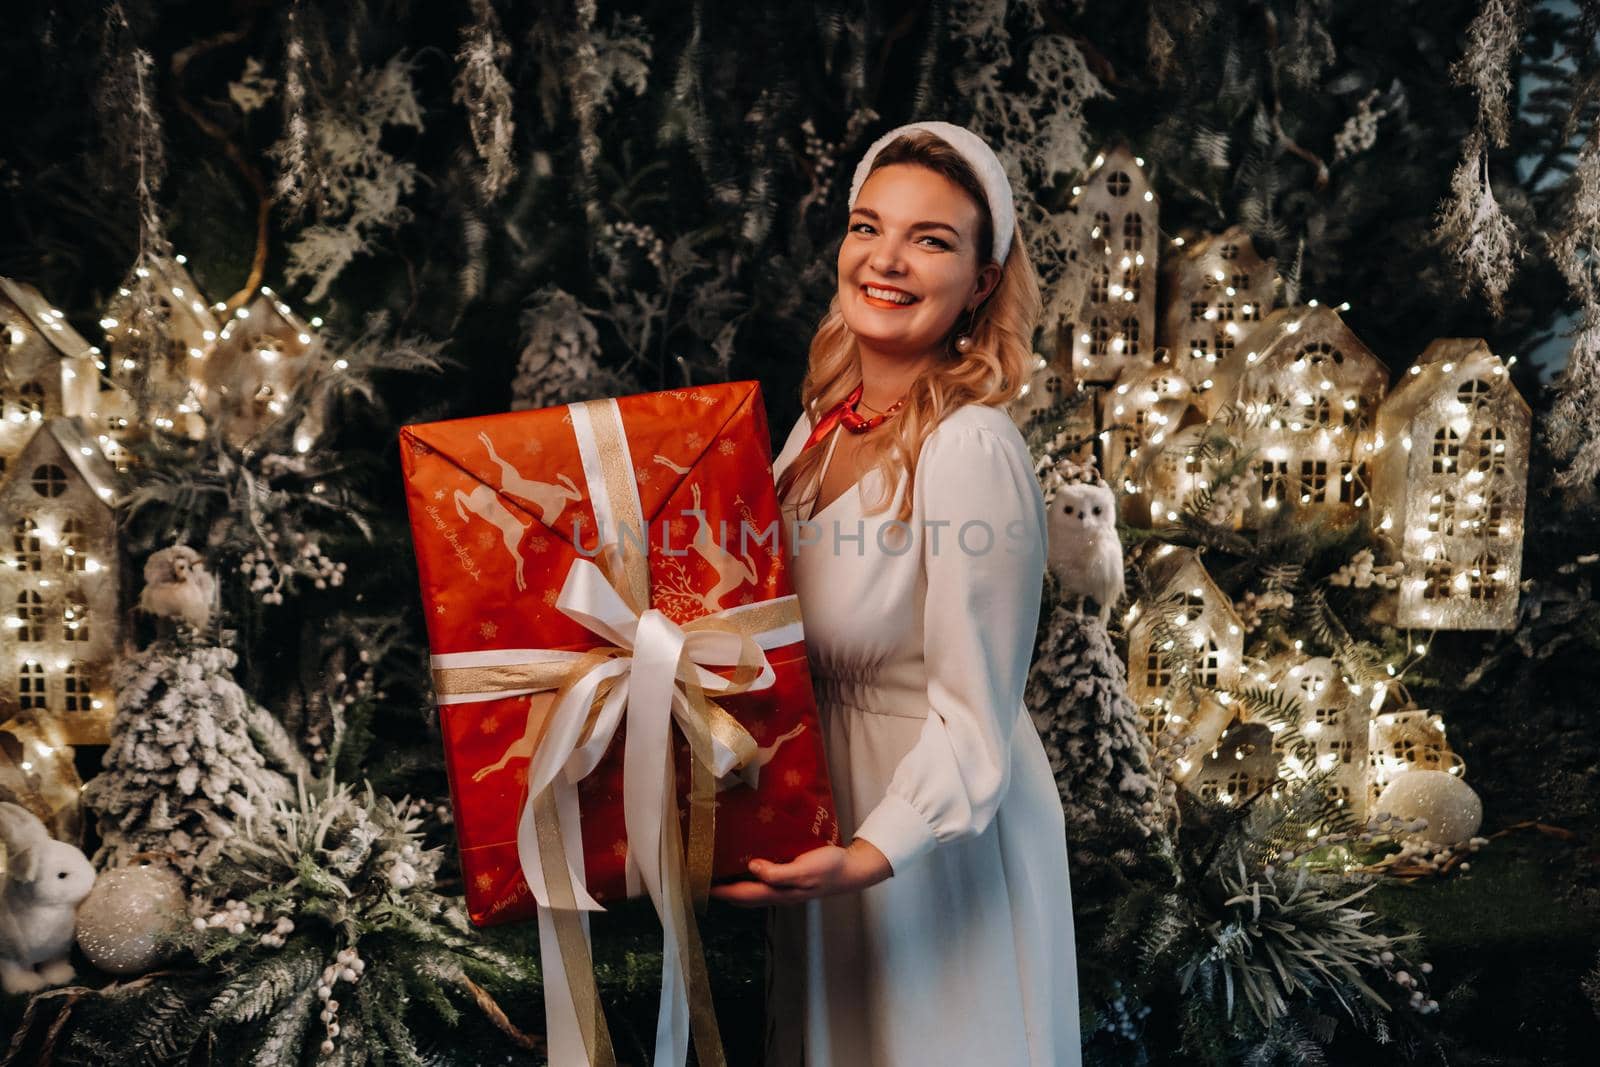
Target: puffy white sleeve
[[983, 549]]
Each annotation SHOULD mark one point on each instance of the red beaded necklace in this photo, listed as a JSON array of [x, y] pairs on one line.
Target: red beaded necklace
[[845, 412]]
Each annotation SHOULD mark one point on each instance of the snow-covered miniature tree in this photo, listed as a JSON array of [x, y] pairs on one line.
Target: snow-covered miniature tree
[[181, 766], [1113, 797]]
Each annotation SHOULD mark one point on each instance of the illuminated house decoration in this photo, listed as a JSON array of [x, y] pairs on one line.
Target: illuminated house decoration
[[1307, 390], [261, 355], [1215, 290], [1243, 763], [1408, 739], [1151, 432], [1130, 409], [1119, 211], [1050, 389], [1184, 648], [47, 369], [1449, 459], [1335, 721], [59, 582], [170, 378]]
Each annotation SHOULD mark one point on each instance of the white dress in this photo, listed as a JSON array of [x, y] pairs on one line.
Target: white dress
[[919, 638]]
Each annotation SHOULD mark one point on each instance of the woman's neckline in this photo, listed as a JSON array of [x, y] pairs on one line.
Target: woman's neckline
[[822, 476]]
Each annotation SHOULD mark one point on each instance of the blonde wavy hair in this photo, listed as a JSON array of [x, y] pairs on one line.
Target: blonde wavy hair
[[993, 371]]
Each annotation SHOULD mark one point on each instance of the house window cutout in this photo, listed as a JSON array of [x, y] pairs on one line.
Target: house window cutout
[[27, 546], [1313, 479], [1492, 451], [1099, 337], [1473, 392], [1132, 232], [1436, 580], [1446, 450], [75, 620], [1442, 517], [30, 399], [1211, 665], [30, 686], [29, 623], [1319, 354], [1275, 481], [1102, 226], [1157, 670], [1100, 286], [49, 480], [74, 546], [75, 689]]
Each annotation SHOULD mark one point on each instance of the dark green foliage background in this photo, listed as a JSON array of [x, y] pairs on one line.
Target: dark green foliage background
[[720, 162]]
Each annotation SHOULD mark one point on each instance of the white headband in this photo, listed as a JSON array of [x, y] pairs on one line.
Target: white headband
[[979, 156]]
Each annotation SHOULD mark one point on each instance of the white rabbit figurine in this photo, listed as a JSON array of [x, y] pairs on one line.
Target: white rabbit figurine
[[44, 881]]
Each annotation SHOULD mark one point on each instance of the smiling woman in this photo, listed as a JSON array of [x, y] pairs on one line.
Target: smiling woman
[[942, 931]]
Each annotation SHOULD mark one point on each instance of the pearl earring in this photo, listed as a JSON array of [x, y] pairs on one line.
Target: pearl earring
[[964, 338]]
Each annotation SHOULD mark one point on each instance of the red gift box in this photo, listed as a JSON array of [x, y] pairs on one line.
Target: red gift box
[[505, 510]]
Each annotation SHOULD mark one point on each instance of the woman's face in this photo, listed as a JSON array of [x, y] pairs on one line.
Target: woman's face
[[914, 233]]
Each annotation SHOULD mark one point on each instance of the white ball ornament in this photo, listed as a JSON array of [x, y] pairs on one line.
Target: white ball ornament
[[1452, 810], [123, 920]]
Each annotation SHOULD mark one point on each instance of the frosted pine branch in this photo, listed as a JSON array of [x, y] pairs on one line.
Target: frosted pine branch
[[482, 87], [1486, 65], [1483, 242]]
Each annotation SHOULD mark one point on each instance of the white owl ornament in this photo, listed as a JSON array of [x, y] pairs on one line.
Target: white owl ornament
[[178, 586], [1085, 554]]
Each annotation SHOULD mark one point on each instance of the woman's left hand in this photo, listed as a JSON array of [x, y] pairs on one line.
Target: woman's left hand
[[818, 873]]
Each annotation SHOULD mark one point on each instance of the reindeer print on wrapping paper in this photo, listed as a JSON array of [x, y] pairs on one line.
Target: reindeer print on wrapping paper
[[524, 746], [550, 499], [731, 571], [484, 502], [750, 773]]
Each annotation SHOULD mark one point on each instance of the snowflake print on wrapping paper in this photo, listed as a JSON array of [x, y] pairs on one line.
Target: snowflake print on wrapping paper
[[489, 724], [438, 494], [487, 541], [484, 882], [694, 440], [550, 597], [765, 813], [533, 446], [438, 609], [748, 598], [521, 775], [619, 848], [726, 448], [793, 779], [539, 544], [642, 475], [487, 630], [680, 531]]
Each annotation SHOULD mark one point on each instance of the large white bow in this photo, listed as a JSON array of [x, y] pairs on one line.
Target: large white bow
[[648, 659]]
